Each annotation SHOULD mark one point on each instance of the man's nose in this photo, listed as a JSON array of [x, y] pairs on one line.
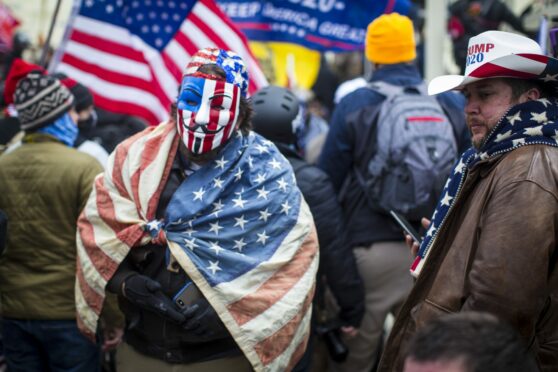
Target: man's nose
[[471, 107]]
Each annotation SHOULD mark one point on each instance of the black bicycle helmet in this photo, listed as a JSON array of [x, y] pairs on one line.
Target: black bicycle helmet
[[275, 108]]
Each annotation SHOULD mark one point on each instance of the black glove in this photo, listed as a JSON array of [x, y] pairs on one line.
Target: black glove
[[146, 293], [202, 320]]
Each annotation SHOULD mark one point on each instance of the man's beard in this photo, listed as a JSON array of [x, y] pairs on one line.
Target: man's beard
[[477, 144]]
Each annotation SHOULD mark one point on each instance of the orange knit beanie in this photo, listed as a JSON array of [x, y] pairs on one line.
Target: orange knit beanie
[[390, 39]]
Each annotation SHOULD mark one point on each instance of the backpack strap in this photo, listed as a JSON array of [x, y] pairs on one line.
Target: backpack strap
[[385, 89], [369, 116]]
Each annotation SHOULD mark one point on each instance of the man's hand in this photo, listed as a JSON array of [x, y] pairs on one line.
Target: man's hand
[[411, 243], [202, 320], [349, 331], [146, 293], [112, 338]]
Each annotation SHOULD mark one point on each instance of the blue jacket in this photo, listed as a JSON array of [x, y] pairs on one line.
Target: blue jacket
[[363, 225]]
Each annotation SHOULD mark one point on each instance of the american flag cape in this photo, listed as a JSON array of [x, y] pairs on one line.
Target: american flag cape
[[238, 226], [131, 53]]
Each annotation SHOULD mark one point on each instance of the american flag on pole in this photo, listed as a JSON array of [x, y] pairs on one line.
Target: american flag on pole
[[132, 53], [238, 226], [8, 23]]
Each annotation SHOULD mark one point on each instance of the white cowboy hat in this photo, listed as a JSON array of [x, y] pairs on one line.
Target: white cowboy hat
[[500, 54]]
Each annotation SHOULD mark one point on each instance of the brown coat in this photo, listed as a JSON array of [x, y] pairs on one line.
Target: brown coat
[[496, 253]]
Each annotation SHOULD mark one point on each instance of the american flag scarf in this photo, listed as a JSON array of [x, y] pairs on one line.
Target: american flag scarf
[[529, 123], [238, 226]]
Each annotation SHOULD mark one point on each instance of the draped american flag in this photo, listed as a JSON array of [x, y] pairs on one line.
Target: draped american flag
[[238, 226], [132, 53]]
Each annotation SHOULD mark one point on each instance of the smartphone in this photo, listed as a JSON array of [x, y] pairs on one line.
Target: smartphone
[[406, 226], [187, 295]]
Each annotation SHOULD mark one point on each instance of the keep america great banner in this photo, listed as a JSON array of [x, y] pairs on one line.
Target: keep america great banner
[[335, 25]]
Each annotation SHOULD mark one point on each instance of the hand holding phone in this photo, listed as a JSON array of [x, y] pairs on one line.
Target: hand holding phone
[[147, 294], [202, 322], [406, 226]]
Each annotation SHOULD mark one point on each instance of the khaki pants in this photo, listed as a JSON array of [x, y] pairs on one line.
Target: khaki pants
[[129, 360], [384, 268]]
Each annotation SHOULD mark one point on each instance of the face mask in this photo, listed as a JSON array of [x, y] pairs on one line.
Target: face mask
[[64, 129], [207, 113], [88, 123]]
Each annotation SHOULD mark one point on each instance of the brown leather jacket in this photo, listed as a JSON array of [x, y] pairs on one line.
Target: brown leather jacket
[[496, 253]]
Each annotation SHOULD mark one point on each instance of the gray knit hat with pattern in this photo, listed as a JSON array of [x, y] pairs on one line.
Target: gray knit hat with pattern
[[40, 100]]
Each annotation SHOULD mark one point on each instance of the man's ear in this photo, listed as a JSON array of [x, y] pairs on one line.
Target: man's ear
[[533, 94]]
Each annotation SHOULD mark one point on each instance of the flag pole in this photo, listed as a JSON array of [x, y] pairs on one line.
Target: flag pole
[[44, 51], [436, 18]]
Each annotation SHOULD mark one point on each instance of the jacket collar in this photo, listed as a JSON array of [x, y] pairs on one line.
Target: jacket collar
[[398, 74], [37, 137]]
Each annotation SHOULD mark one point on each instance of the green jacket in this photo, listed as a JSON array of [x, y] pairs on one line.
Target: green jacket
[[43, 188]]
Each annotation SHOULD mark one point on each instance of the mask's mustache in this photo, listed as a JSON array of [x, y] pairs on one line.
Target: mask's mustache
[[204, 129]]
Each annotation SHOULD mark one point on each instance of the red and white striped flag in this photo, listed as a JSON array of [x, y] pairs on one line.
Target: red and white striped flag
[[131, 53], [8, 23]]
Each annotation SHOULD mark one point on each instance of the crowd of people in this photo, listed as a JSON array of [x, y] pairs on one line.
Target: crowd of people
[[242, 235]]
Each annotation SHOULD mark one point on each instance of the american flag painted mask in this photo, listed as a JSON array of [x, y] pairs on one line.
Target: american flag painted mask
[[207, 113]]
